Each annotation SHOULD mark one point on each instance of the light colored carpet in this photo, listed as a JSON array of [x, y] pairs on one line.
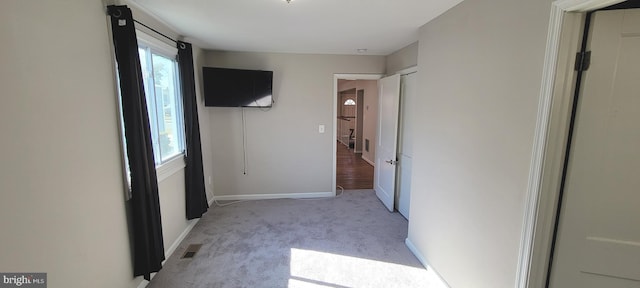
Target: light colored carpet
[[348, 241]]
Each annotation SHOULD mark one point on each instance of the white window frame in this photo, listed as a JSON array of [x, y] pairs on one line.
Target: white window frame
[[168, 167]]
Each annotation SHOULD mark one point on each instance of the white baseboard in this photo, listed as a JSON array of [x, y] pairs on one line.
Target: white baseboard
[[368, 161], [424, 261], [174, 246], [183, 235], [416, 253], [144, 283], [274, 196]]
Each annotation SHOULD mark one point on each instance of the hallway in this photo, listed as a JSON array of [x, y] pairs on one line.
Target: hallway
[[352, 171]]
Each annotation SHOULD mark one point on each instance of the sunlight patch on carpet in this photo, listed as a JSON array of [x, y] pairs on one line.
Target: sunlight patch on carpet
[[321, 269]]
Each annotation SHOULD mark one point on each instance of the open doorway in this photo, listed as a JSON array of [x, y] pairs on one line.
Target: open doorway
[[595, 205], [556, 107], [356, 102], [373, 141]]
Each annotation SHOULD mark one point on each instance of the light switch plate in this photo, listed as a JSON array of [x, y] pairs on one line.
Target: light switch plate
[[321, 128]]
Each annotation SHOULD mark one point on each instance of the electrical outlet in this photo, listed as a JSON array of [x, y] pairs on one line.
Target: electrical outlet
[[320, 128]]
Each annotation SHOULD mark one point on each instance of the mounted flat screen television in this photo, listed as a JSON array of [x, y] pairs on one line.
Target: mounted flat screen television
[[224, 87]]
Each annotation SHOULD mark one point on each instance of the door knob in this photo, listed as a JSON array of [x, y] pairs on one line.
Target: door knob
[[390, 162]]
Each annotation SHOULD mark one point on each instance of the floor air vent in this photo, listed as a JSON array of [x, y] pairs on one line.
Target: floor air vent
[[191, 251]]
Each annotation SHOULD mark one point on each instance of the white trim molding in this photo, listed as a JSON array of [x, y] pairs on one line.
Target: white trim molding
[[144, 283], [583, 5], [176, 243], [408, 70], [275, 196], [171, 167], [416, 252], [156, 44], [533, 251], [424, 262], [172, 249], [368, 161]]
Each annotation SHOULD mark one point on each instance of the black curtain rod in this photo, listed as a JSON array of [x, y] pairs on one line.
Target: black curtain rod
[[154, 30]]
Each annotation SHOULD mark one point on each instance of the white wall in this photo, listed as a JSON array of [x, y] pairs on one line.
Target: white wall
[[370, 118], [286, 154], [203, 115], [402, 59], [479, 81], [172, 208], [62, 208]]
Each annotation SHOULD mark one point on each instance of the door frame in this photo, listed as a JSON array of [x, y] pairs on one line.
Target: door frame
[[359, 121], [336, 77], [554, 112]]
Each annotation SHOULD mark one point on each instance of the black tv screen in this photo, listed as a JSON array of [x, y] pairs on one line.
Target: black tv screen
[[224, 87]]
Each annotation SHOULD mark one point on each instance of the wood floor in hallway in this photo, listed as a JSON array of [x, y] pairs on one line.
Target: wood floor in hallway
[[352, 171]]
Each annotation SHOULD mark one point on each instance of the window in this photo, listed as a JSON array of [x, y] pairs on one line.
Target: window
[[164, 100], [164, 105], [349, 102]]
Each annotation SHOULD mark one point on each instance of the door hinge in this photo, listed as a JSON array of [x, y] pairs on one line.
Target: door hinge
[[583, 60]]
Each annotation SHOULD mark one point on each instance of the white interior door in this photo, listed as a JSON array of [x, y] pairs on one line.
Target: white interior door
[[408, 93], [385, 169], [598, 241]]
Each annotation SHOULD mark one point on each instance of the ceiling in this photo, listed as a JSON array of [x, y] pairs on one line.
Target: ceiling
[[301, 26]]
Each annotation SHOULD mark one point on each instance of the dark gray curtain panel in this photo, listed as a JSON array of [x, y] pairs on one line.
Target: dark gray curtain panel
[[148, 246], [195, 193]]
